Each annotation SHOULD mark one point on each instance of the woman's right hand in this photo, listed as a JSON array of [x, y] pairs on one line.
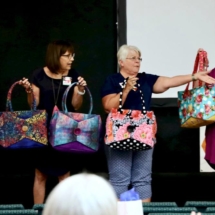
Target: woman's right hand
[[131, 83], [26, 84]]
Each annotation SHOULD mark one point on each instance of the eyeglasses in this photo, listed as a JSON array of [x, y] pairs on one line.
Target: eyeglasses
[[134, 58], [69, 56]]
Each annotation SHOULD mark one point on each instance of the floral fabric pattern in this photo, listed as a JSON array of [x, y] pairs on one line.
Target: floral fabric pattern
[[17, 125], [197, 106], [22, 129], [131, 129]]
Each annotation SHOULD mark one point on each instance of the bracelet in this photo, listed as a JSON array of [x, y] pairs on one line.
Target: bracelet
[[81, 93], [194, 78]]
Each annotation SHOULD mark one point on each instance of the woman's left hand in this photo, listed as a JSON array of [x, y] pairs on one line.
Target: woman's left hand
[[81, 83], [203, 76]]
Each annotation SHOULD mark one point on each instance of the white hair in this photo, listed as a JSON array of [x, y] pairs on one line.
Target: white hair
[[82, 194], [124, 50]]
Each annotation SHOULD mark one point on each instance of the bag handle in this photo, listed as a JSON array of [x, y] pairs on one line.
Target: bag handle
[[201, 62], [64, 107], [141, 96], [9, 103]]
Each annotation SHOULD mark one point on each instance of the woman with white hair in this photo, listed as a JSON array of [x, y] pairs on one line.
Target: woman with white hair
[[134, 167], [82, 194]]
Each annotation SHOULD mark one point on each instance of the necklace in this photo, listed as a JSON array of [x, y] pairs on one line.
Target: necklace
[[56, 99]]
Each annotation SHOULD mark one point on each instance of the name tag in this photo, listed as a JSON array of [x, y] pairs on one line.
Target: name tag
[[67, 80]]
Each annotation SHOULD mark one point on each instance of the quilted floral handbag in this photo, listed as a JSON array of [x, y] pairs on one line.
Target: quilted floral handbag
[[197, 105], [130, 129], [22, 129], [75, 132]]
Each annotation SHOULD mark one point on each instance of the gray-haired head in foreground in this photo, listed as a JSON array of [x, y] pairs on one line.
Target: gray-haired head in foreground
[[124, 50], [82, 194]]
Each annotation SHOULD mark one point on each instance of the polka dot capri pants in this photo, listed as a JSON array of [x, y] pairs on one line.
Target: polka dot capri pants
[[130, 168]]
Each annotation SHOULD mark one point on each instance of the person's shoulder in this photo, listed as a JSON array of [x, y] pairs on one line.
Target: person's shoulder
[[111, 84], [37, 75], [145, 74], [113, 76], [38, 71], [113, 79], [148, 78]]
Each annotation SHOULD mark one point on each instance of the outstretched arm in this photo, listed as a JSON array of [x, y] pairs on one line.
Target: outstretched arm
[[164, 83]]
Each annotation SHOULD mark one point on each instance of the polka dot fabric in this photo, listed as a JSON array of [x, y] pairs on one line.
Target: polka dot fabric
[[130, 168], [130, 144]]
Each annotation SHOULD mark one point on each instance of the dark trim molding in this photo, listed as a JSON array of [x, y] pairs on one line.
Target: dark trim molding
[[164, 102], [121, 23]]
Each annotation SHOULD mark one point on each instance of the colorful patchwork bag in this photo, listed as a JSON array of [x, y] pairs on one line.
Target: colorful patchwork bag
[[130, 129], [22, 129], [197, 106], [75, 132]]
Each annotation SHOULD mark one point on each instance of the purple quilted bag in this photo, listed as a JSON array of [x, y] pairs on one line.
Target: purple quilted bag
[[75, 132], [22, 129]]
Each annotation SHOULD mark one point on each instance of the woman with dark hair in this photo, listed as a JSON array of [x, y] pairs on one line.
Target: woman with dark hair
[[48, 85]]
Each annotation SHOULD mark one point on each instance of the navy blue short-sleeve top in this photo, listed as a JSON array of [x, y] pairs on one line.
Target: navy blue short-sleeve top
[[133, 100]]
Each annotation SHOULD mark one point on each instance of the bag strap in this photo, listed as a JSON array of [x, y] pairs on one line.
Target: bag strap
[[9, 103], [200, 63], [141, 97], [64, 107]]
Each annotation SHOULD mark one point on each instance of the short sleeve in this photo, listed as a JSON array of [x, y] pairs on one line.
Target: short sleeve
[[35, 77], [151, 79], [110, 86]]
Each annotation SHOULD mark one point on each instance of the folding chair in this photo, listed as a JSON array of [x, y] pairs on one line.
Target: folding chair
[[39, 208], [19, 212], [159, 204], [11, 207]]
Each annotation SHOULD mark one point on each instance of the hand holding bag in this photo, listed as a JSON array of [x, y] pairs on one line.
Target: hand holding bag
[[75, 132], [197, 106], [130, 129], [22, 129], [201, 64]]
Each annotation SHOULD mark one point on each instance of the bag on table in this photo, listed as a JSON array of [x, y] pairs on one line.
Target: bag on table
[[130, 129], [75, 132], [197, 105], [22, 129]]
